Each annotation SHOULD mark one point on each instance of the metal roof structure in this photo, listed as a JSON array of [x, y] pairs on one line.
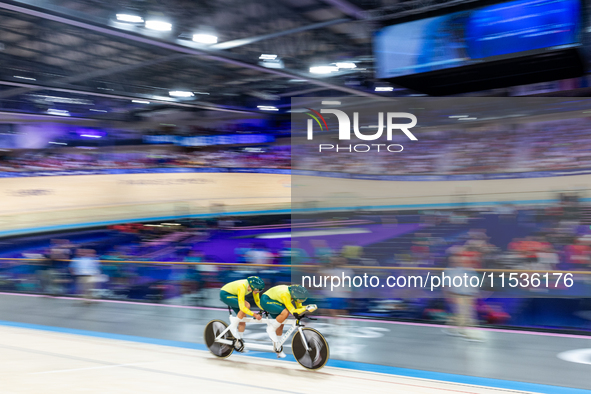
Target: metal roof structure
[[76, 56]]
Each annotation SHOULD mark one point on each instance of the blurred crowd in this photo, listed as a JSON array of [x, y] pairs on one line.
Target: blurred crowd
[[544, 238], [58, 160], [514, 148], [552, 237], [511, 148]]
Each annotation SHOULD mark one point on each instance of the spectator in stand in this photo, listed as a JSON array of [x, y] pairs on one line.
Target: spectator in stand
[[471, 257], [547, 258], [57, 261], [203, 273], [463, 300], [518, 248], [259, 255], [85, 269], [194, 270], [530, 248], [337, 300], [291, 254], [322, 252], [487, 252], [181, 277], [420, 249], [241, 253], [352, 253], [579, 254]]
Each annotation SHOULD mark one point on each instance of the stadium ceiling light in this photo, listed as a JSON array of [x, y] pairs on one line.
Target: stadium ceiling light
[[129, 18], [59, 112], [180, 93], [27, 78], [90, 136], [97, 110], [384, 89], [162, 98], [267, 57], [323, 69], [267, 108], [140, 101], [57, 143], [458, 116], [272, 63], [346, 65], [158, 25], [467, 118], [58, 99], [205, 38]]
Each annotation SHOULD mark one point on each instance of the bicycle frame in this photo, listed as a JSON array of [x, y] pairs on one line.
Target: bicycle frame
[[295, 325]]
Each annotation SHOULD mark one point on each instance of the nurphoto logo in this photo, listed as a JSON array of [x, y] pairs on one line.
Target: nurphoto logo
[[345, 130]]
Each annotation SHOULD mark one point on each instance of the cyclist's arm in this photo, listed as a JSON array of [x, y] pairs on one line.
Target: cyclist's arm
[[241, 302], [287, 302], [257, 300]]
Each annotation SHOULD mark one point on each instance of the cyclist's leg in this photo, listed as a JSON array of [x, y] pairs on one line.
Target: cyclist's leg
[[275, 309], [242, 315], [280, 319], [232, 301], [275, 331]]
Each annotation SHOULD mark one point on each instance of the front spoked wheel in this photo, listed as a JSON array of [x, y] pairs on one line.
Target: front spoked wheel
[[212, 330], [317, 354]]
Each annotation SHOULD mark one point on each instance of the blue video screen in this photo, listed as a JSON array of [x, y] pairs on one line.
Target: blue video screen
[[475, 36]]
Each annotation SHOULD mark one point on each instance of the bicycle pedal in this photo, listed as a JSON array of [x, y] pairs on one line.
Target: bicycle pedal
[[239, 345]]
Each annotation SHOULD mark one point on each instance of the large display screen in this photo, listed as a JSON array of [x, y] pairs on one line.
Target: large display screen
[[483, 34]]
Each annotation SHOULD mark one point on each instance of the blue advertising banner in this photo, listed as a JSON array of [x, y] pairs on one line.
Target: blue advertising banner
[[209, 140]]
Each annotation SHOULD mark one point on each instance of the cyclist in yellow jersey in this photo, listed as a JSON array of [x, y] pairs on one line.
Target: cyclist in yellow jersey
[[279, 302], [233, 294]]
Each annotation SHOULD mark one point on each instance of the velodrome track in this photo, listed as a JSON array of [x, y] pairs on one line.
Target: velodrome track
[[57, 345], [49, 362]]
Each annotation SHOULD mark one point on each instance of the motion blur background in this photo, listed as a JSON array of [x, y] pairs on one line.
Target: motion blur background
[[158, 136]]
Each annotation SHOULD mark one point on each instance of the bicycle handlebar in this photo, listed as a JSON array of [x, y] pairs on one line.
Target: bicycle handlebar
[[296, 315], [303, 316]]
